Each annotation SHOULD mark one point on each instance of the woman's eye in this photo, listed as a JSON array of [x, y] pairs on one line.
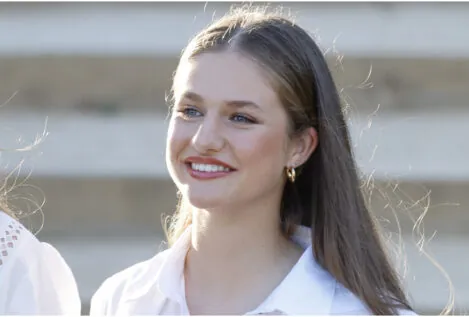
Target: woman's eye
[[242, 119], [190, 112]]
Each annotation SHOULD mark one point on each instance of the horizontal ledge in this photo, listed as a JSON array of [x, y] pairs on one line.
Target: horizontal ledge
[[419, 148], [134, 29]]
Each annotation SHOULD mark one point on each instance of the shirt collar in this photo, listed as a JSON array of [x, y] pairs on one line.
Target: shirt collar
[[307, 290], [171, 274], [164, 271]]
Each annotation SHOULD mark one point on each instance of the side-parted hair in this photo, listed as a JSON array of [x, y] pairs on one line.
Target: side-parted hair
[[327, 195]]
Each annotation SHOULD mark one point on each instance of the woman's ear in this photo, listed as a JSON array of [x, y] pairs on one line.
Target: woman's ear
[[303, 145]]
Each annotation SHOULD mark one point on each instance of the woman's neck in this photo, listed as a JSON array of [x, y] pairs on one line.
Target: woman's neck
[[236, 234], [230, 249], [234, 240]]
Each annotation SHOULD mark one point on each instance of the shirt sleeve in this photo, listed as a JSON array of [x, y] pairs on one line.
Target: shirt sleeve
[[59, 292], [35, 279], [99, 302], [105, 300]]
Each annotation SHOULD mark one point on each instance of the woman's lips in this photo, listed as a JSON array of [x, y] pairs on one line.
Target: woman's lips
[[205, 168]]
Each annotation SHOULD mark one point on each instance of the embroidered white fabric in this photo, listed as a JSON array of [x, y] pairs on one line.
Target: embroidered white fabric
[[8, 238], [34, 278]]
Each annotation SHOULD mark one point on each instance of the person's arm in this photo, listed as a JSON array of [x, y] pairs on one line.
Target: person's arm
[[58, 293], [99, 302], [37, 281]]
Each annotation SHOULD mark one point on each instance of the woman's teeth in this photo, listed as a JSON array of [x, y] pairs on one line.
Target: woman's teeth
[[209, 168]]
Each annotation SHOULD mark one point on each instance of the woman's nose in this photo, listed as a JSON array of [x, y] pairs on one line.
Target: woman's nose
[[208, 137]]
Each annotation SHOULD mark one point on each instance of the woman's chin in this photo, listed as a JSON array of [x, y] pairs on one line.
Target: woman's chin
[[206, 202], [211, 197]]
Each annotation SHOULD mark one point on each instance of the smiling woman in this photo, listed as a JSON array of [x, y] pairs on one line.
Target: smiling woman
[[237, 116], [271, 219]]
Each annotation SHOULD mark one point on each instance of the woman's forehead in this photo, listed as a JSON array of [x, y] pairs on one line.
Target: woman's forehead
[[224, 76]]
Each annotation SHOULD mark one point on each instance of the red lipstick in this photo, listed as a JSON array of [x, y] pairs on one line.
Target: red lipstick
[[206, 168]]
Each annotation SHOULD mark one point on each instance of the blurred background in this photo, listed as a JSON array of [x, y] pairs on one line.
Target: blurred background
[[95, 75]]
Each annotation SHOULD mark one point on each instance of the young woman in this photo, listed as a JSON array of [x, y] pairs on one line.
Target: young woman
[[34, 278], [271, 218]]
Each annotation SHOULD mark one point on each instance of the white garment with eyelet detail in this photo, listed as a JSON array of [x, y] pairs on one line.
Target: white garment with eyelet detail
[[156, 287], [34, 278]]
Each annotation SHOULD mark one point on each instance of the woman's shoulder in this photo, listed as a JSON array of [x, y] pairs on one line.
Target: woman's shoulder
[[7, 221], [14, 237], [17, 243], [126, 283], [137, 272], [34, 272]]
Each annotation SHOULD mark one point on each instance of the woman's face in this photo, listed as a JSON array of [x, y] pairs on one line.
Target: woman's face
[[228, 140]]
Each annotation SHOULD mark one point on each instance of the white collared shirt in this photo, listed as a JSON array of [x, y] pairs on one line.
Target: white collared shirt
[[156, 287], [34, 278]]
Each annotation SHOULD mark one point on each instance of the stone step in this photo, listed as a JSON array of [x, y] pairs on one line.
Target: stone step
[[113, 85], [386, 146], [384, 29], [104, 206], [93, 259]]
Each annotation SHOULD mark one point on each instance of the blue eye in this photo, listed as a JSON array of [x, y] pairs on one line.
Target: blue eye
[[242, 119], [190, 112]]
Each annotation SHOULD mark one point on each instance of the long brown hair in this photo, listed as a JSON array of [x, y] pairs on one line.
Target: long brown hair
[[327, 195]]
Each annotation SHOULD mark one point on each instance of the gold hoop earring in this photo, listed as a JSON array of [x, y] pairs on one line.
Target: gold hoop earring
[[291, 174]]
